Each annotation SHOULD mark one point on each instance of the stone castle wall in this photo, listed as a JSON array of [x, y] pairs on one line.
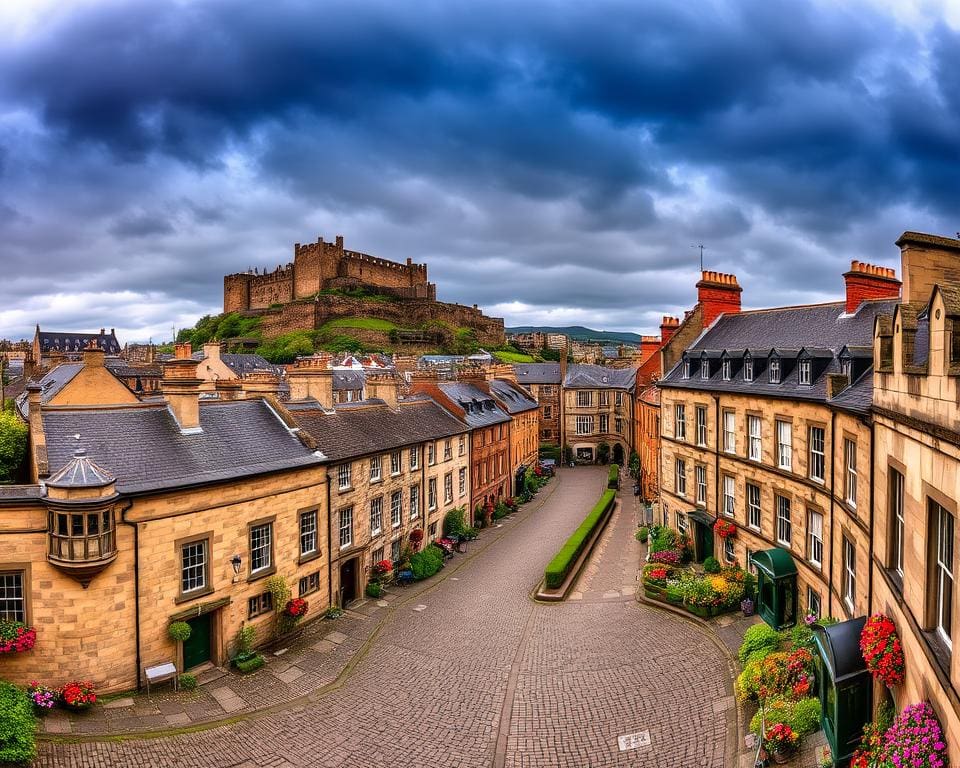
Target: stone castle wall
[[312, 314]]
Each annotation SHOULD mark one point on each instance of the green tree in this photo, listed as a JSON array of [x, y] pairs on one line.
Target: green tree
[[13, 444]]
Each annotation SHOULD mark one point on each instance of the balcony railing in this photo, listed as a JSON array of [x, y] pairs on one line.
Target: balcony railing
[[82, 548]]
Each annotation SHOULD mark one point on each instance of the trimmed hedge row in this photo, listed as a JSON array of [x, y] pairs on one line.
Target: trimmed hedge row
[[613, 476], [563, 561], [17, 725]]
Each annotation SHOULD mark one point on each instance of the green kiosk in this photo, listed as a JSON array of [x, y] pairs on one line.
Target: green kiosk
[[776, 587], [845, 684]]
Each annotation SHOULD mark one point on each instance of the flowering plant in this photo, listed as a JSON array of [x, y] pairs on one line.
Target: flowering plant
[[511, 502], [41, 696], [780, 737], [538, 471], [724, 529], [667, 557], [296, 608], [656, 574], [915, 739], [16, 637], [381, 568], [882, 650], [78, 695]]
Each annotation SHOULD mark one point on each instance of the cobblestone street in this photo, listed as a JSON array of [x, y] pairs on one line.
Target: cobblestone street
[[471, 672]]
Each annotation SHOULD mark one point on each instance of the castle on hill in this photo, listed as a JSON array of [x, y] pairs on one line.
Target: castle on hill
[[303, 295]]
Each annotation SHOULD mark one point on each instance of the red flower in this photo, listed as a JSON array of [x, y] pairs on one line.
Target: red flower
[[16, 637], [78, 694], [724, 529], [882, 650], [296, 608]]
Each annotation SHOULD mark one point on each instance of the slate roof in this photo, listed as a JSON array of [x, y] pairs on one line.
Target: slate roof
[[369, 426], [858, 397], [63, 341], [19, 493], [538, 373], [599, 377], [348, 380], [242, 364], [143, 448], [481, 410], [510, 398], [52, 383], [125, 370], [819, 330]]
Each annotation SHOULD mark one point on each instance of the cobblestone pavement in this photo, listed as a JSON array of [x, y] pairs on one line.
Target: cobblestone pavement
[[484, 676]]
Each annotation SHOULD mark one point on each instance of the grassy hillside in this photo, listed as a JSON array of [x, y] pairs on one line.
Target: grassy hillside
[[580, 333]]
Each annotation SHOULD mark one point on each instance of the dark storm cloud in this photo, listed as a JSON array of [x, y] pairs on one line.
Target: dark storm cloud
[[539, 156]]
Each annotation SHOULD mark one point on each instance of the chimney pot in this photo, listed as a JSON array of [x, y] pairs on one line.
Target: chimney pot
[[868, 281]]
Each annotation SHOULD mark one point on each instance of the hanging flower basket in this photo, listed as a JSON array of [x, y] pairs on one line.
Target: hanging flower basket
[[724, 530], [882, 650], [296, 608], [915, 739], [16, 637]]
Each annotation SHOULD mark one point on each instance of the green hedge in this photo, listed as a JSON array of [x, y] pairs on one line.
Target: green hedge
[[613, 476], [426, 563], [17, 725], [560, 566]]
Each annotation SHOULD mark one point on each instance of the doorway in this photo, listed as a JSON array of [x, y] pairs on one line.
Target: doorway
[[196, 648], [348, 582], [618, 454]]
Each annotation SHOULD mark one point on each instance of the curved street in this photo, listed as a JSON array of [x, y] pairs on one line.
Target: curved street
[[472, 672]]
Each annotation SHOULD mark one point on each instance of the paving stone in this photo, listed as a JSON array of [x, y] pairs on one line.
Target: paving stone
[[53, 723], [126, 701], [382, 603], [291, 674], [484, 672], [178, 719], [419, 608]]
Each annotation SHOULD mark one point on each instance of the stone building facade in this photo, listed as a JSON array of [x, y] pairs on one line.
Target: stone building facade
[[150, 513], [765, 424], [543, 382], [598, 408], [917, 474], [524, 429], [395, 466]]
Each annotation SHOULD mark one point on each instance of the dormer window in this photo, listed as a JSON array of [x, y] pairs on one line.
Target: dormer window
[[846, 367], [748, 369], [774, 370], [804, 371], [686, 369], [704, 368], [726, 366]]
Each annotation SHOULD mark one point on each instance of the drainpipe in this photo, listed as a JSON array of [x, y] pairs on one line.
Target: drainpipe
[[716, 460], [136, 581], [833, 506], [329, 543]]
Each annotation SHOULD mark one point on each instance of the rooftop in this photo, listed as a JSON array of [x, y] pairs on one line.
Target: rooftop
[[599, 377]]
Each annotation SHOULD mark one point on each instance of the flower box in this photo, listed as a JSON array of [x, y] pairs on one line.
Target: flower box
[[16, 637], [78, 695]]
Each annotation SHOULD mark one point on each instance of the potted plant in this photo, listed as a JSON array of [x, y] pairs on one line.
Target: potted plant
[[41, 697], [416, 537], [296, 608], [781, 742], [16, 637], [746, 605], [78, 695]]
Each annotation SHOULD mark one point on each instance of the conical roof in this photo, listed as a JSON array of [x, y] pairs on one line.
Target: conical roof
[[81, 472]]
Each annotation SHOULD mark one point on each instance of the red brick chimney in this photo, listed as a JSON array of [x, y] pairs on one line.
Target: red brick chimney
[[668, 327], [866, 281], [648, 346], [718, 294]]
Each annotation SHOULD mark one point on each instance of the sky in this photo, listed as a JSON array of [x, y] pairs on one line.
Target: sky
[[553, 162]]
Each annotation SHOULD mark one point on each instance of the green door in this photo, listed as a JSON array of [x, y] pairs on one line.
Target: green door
[[704, 541], [196, 649]]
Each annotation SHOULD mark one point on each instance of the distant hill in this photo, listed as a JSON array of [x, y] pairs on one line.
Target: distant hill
[[579, 333]]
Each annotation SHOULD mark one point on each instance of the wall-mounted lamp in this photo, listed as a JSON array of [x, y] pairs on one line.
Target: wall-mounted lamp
[[236, 561]]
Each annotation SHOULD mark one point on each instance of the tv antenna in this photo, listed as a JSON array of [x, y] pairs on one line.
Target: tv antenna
[[701, 247]]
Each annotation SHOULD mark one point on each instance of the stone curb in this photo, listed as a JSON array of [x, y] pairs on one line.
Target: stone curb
[[317, 693]]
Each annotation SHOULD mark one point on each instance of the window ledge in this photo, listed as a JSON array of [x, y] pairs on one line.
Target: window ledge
[[262, 574], [309, 557], [193, 595]]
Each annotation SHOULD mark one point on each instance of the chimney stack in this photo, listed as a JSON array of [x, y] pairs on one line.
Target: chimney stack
[[383, 386], [311, 377], [93, 355], [181, 388], [259, 384], [472, 373], [38, 440], [718, 293], [668, 327], [212, 350], [866, 281]]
